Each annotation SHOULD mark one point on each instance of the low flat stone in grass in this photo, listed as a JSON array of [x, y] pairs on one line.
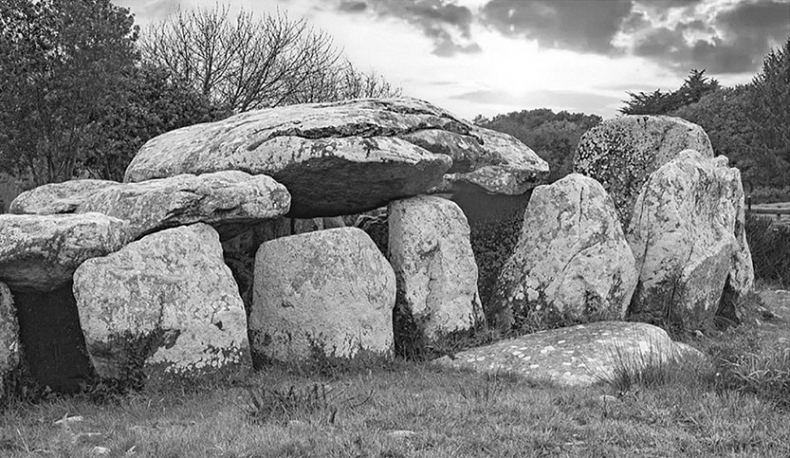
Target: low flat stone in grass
[[575, 356]]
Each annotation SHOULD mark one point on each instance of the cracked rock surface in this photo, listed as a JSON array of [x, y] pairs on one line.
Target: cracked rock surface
[[572, 262], [41, 252], [688, 238], [329, 291], [164, 305], [226, 200], [621, 153], [346, 157], [430, 251]]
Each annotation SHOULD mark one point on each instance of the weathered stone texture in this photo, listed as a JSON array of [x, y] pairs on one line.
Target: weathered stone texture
[[435, 268], [579, 356], [164, 305], [572, 262], [364, 153], [54, 198], [40, 253], [687, 238], [227, 200], [622, 152], [328, 291]]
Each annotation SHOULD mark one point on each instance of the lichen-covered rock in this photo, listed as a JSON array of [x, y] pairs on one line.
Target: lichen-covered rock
[[435, 268], [688, 239], [622, 152], [227, 200], [578, 356], [165, 305], [41, 252], [9, 339], [572, 262], [345, 157], [330, 292], [496, 162], [54, 198]]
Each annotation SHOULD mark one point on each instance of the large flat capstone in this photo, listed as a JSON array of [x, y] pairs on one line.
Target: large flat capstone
[[345, 157]]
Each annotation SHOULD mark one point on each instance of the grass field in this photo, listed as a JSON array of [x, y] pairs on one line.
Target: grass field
[[394, 409]]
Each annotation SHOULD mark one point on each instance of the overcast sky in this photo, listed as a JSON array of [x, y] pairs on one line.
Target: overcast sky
[[496, 56]]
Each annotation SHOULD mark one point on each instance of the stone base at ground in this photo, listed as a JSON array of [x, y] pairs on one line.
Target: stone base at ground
[[575, 356]]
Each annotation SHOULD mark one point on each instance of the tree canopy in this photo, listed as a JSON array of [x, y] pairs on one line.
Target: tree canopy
[[248, 62], [658, 102], [553, 136], [60, 64]]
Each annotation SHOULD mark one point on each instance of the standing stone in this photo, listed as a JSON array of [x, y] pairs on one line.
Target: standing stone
[[572, 262], [9, 340], [687, 237], [436, 273], [164, 305], [621, 153], [40, 253], [330, 292]]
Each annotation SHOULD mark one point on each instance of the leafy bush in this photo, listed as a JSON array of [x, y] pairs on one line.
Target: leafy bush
[[770, 247]]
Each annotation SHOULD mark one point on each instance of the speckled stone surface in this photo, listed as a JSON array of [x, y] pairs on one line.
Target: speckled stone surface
[[575, 356], [164, 305], [346, 157], [572, 259], [429, 250], [330, 291], [225, 200], [622, 152], [54, 198], [688, 238], [41, 252]]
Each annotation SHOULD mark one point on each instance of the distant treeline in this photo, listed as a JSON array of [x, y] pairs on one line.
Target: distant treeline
[[750, 123]]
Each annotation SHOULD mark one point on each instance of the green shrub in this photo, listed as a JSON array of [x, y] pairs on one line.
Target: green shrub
[[770, 247]]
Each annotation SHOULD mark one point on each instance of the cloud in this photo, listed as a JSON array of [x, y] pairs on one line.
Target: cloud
[[352, 7], [739, 37], [558, 100], [446, 24], [586, 26]]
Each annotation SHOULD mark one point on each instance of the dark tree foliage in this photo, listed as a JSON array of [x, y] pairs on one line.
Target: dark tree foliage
[[61, 62], [658, 102], [553, 136], [750, 124], [150, 103], [74, 98]]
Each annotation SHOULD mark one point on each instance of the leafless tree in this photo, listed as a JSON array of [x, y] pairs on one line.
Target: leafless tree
[[246, 62]]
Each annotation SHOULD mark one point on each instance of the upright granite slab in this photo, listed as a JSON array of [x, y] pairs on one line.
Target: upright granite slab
[[572, 263], [344, 157], [327, 293], [163, 306], [581, 355], [687, 235], [429, 250]]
